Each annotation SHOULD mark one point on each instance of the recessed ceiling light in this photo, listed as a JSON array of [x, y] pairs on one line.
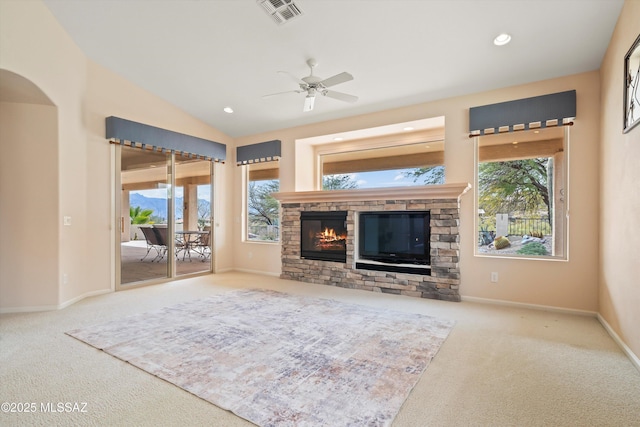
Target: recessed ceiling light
[[408, 128], [502, 39], [228, 110]]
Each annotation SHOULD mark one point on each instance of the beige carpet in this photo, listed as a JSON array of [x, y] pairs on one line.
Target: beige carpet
[[277, 359], [499, 366]]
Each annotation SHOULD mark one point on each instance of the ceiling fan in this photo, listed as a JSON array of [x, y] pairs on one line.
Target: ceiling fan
[[314, 85]]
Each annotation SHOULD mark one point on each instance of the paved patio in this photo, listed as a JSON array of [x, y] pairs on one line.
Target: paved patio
[[135, 270]]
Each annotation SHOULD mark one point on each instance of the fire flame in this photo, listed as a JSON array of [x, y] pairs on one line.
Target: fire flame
[[329, 240], [329, 234]]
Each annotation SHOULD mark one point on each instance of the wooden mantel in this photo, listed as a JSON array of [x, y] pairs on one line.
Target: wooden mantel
[[443, 191]]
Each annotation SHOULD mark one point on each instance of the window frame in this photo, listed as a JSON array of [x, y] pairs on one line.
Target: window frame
[[266, 166], [562, 194]]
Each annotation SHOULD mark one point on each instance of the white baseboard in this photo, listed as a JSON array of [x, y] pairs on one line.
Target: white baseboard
[[29, 309], [83, 296], [35, 308], [262, 273], [530, 306], [630, 354]]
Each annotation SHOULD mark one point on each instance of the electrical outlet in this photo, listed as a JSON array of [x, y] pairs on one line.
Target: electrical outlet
[[494, 277]]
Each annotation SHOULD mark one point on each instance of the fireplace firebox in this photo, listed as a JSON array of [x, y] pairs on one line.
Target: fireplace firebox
[[323, 235]]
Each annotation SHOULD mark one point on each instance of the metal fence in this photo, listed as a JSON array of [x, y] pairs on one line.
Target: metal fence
[[264, 232], [518, 226]]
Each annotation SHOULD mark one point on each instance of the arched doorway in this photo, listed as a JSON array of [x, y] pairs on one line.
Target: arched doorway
[[29, 254]]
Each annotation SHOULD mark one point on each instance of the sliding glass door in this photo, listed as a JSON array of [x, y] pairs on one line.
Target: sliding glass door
[[165, 216], [193, 216], [144, 210]]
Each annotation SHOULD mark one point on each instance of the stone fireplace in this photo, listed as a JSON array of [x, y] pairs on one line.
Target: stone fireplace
[[440, 279]]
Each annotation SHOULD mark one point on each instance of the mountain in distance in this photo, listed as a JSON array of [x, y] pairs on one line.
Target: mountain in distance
[[157, 205]]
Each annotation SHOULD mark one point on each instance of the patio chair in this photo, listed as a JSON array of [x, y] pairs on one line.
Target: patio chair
[[201, 246], [163, 237], [161, 234], [153, 242]]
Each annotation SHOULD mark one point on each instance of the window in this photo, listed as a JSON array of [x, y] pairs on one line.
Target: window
[[263, 219], [344, 167], [522, 193]]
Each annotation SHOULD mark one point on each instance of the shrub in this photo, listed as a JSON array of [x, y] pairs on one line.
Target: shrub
[[533, 248], [139, 215], [501, 242]]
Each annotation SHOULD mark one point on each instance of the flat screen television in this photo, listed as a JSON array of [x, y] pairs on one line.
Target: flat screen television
[[395, 237]]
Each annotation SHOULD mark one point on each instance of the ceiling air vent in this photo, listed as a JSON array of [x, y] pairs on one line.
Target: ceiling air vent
[[280, 11]]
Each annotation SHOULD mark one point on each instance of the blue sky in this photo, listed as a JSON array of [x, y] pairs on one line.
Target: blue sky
[[378, 179], [161, 193]]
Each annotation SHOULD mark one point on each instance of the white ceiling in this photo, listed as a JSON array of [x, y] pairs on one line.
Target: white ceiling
[[207, 54]]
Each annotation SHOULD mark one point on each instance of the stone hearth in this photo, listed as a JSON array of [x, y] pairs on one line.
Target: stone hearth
[[443, 202]]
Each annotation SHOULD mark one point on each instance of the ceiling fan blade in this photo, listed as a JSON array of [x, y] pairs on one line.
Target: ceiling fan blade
[[337, 79], [309, 101], [281, 93], [340, 96], [292, 77]]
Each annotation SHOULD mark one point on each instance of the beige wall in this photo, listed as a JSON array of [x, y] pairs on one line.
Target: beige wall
[[34, 46], [79, 170], [619, 275], [571, 284], [28, 205]]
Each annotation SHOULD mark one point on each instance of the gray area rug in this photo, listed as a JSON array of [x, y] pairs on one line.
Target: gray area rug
[[277, 359]]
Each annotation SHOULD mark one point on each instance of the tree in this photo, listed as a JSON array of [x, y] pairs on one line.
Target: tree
[[429, 174], [515, 186], [338, 182], [263, 208], [204, 212], [139, 215]]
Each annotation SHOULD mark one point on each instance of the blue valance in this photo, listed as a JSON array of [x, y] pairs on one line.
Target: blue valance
[[144, 136], [558, 107], [268, 151]]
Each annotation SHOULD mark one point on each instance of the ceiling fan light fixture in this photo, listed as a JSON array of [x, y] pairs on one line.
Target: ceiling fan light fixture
[[502, 39], [309, 101]]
